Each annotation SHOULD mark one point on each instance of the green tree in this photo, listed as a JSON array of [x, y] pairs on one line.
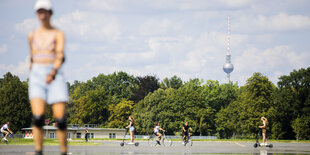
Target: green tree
[[172, 107], [91, 108], [144, 86], [120, 113], [292, 102], [301, 127], [14, 102], [101, 91], [174, 82], [255, 101]]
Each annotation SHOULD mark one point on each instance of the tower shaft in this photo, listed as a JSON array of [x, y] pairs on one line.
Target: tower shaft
[[228, 66]]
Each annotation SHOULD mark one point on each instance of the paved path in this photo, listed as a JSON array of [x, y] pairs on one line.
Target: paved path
[[113, 147]]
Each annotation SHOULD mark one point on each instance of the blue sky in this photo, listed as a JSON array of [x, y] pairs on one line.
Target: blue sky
[[186, 38]]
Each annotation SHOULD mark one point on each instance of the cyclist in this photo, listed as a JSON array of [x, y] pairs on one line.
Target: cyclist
[[157, 133], [263, 127], [185, 131], [5, 129]]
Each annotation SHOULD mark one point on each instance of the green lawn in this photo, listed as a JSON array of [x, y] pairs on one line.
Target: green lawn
[[22, 141], [78, 141]]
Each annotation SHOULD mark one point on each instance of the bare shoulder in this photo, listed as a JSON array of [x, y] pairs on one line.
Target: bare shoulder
[[59, 33], [30, 35]]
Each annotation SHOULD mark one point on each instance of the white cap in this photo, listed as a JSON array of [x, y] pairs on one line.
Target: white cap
[[43, 4]]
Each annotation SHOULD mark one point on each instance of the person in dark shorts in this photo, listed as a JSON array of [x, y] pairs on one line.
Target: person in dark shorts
[[86, 134], [186, 131], [131, 128], [263, 127]]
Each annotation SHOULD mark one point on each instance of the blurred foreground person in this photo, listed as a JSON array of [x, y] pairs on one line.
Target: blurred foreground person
[[46, 80]]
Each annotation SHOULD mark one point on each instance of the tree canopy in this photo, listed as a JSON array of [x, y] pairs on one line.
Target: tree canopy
[[225, 110]]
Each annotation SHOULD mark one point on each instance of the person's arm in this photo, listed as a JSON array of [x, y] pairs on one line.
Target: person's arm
[[162, 129], [30, 36], [191, 129], [183, 128], [129, 125], [60, 57], [263, 126]]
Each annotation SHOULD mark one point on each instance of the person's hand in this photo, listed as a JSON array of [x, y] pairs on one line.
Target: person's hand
[[50, 77]]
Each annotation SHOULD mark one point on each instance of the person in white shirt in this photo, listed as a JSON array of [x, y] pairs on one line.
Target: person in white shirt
[[157, 133], [5, 129]]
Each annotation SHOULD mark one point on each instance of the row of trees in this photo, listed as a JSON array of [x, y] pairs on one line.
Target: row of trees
[[211, 108]]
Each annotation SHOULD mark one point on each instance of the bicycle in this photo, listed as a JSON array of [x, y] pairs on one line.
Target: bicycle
[[10, 138], [166, 141], [188, 140]]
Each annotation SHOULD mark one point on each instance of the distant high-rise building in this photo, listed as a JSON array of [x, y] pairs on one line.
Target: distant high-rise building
[[228, 66]]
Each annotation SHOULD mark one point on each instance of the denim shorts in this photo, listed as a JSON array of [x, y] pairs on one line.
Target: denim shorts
[[54, 92], [132, 128]]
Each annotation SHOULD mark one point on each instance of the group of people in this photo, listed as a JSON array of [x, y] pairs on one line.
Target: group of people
[[47, 84], [186, 130]]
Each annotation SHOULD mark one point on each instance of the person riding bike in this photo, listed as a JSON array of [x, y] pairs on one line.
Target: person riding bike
[[157, 133], [5, 129], [185, 131]]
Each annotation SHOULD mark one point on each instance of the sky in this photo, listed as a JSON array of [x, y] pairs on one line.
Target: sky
[[186, 38]]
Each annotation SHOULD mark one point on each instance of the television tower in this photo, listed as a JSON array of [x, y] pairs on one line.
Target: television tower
[[228, 66]]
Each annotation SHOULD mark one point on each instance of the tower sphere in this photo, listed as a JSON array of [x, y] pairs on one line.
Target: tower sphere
[[228, 68]]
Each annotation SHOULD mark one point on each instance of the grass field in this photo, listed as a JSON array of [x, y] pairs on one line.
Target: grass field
[[78, 141], [22, 141]]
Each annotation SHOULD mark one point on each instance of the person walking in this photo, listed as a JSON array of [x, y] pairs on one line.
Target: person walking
[[86, 134]]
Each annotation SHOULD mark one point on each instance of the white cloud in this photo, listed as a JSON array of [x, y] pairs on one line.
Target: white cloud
[[283, 21], [159, 27], [83, 25], [184, 5], [90, 26], [275, 61], [171, 5], [27, 25], [3, 49], [21, 69], [278, 22], [107, 5]]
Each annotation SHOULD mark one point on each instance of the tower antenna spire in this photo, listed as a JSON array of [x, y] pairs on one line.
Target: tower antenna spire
[[228, 66]]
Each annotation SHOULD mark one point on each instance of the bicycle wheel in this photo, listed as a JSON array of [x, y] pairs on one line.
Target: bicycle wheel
[[167, 141], [152, 140], [11, 138]]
